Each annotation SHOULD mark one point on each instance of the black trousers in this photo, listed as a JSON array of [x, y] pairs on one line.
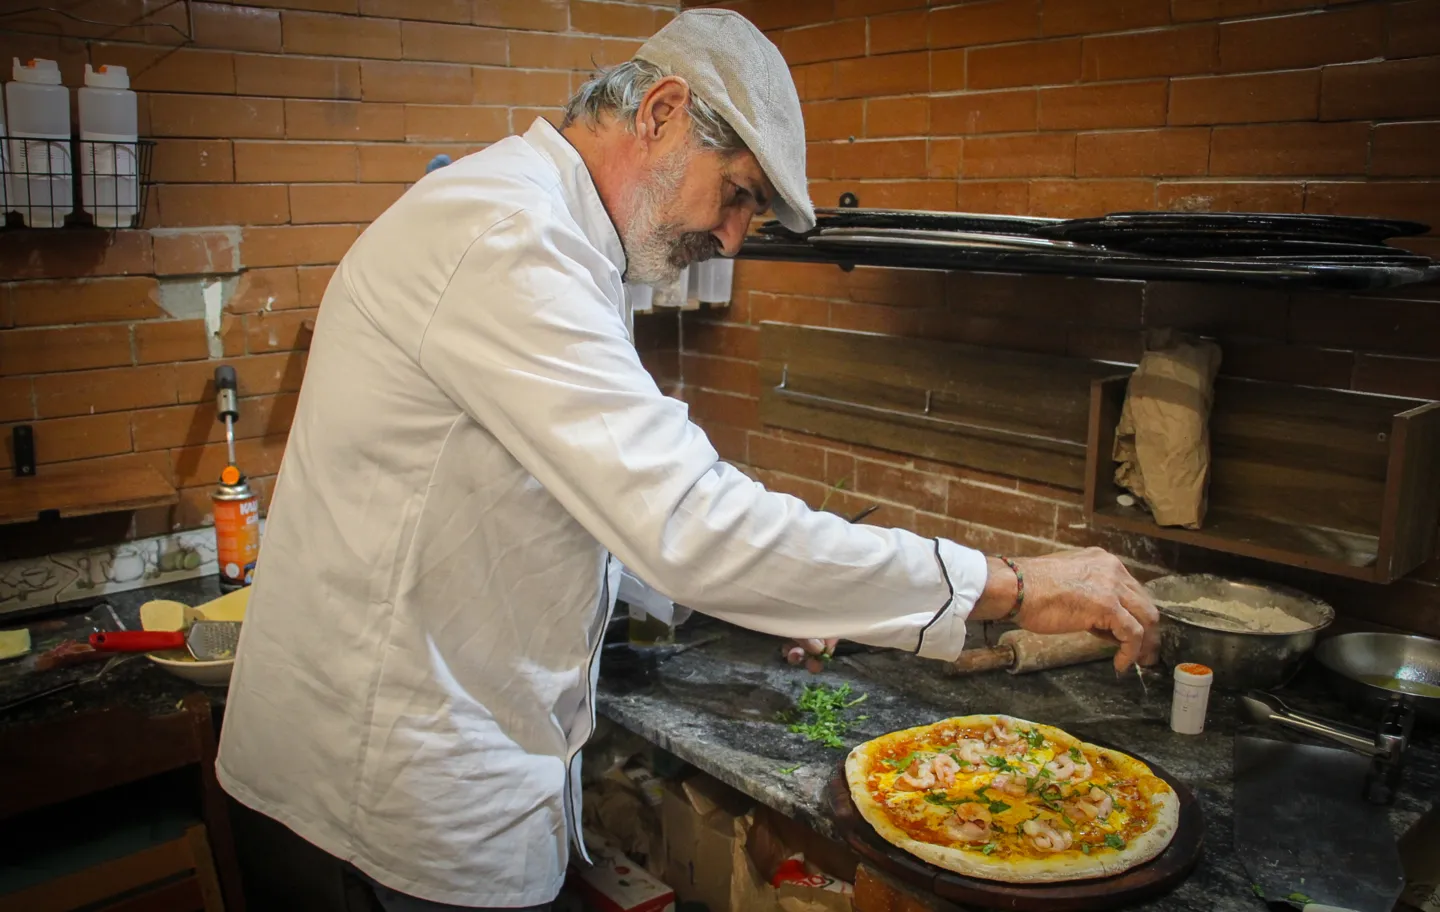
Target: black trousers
[[282, 872]]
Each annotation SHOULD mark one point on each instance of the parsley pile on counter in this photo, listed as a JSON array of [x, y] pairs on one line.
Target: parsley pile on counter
[[822, 714]]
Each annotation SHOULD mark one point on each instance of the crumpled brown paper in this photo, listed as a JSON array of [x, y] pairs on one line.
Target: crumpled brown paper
[[1163, 439]]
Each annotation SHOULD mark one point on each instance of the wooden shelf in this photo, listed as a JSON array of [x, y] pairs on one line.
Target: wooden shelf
[[1333, 481], [65, 491]]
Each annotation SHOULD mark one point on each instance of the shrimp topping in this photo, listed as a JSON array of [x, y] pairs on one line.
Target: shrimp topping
[[943, 768], [1045, 837], [1063, 768], [1002, 732], [1096, 805], [918, 778], [1015, 784], [969, 823], [972, 751]]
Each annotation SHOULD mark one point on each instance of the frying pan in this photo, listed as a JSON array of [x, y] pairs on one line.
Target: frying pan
[[1371, 671]]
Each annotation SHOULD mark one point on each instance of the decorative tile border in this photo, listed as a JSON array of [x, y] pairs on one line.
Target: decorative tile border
[[71, 575]]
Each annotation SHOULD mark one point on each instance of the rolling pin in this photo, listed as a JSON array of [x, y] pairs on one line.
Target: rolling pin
[[1019, 651]]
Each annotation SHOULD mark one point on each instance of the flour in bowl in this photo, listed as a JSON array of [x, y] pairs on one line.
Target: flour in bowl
[[1236, 617]]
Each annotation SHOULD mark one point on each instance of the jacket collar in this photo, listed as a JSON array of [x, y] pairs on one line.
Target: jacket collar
[[578, 187]]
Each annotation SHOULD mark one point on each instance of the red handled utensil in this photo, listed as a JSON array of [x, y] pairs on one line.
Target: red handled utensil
[[208, 641]]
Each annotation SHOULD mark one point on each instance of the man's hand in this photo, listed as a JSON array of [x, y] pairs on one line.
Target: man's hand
[[1078, 590], [809, 652]]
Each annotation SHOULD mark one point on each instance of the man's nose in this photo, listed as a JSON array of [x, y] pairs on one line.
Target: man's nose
[[731, 232]]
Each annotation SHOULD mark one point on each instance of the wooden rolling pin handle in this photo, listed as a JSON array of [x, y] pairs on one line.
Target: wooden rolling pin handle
[[1039, 651], [972, 661]]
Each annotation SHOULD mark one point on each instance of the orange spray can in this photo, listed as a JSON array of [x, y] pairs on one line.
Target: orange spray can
[[236, 508]]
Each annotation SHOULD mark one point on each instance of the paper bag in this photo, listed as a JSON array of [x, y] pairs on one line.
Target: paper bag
[[1162, 442]]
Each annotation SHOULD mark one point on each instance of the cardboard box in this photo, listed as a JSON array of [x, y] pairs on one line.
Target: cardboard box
[[617, 884]]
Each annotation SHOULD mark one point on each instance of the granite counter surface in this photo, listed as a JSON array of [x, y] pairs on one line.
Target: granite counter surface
[[715, 706]]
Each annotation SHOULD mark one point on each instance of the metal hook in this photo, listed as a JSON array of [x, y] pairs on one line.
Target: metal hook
[[784, 376], [929, 394]]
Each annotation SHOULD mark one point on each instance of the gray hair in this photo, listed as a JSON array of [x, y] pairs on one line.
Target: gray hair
[[619, 90]]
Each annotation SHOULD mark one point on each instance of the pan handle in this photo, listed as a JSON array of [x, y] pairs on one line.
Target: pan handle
[[1264, 707]]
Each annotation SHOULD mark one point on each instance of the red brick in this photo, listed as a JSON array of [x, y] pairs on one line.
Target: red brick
[[999, 509], [1031, 63], [340, 36], [1245, 99], [830, 41], [1218, 196], [189, 251], [84, 301], [730, 443], [1003, 197], [899, 287], [216, 116], [326, 203], [1390, 88], [768, 16], [281, 162], [284, 331], [947, 70], [201, 465], [503, 86], [1303, 40], [1047, 299], [1415, 377], [834, 119], [1143, 153], [85, 437], [899, 32], [737, 411], [398, 163], [880, 159], [1077, 17], [265, 289], [329, 6], [1418, 200], [452, 43], [985, 112], [541, 15], [1310, 149], [888, 482], [39, 351], [16, 399], [725, 339], [876, 318], [572, 52], [814, 81], [62, 255], [312, 281], [617, 18], [432, 10], [909, 194], [944, 158], [1087, 107], [89, 392], [892, 74], [429, 83], [1414, 29], [170, 340], [188, 205], [1024, 155], [297, 77], [787, 456], [445, 123], [1285, 363], [1156, 52], [987, 22], [788, 309], [1084, 199], [897, 116], [1405, 150], [343, 120], [256, 375], [847, 9], [300, 245], [197, 161], [238, 28], [168, 69], [1189, 10], [191, 425]]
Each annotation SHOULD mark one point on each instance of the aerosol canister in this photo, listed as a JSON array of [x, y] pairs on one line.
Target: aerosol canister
[[237, 509]]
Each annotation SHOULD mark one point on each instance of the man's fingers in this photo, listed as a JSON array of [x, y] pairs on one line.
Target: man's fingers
[[794, 654], [1138, 603], [814, 666], [1131, 635]]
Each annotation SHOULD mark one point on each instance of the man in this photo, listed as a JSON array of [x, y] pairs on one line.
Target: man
[[478, 449]]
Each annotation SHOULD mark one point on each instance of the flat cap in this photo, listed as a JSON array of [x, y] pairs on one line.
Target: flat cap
[[734, 68]]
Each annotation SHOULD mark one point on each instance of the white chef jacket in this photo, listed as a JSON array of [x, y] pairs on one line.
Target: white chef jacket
[[477, 448]]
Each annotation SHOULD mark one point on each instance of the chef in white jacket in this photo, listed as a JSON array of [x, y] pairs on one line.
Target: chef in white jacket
[[478, 450]]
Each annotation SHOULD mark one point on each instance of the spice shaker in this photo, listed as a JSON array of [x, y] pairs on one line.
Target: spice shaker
[[1192, 695]]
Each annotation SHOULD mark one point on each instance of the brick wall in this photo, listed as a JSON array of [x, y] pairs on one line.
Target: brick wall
[[283, 127], [1075, 108]]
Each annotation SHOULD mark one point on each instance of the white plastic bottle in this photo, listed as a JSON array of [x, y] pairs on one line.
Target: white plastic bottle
[[109, 182], [42, 189]]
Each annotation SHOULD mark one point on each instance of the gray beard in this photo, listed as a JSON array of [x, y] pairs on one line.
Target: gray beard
[[656, 250]]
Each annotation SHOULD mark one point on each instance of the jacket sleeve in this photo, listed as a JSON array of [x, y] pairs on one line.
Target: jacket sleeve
[[528, 343]]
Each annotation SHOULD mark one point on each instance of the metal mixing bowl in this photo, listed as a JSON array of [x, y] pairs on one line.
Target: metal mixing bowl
[[1241, 660]]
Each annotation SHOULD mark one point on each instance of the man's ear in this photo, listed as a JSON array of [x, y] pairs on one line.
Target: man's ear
[[663, 110]]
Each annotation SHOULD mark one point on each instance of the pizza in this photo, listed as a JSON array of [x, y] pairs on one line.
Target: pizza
[[1000, 798]]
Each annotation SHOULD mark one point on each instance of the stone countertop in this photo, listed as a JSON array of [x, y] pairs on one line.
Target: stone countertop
[[715, 706], [135, 683]]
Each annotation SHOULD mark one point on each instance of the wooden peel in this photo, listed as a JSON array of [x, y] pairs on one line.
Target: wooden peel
[[1020, 651]]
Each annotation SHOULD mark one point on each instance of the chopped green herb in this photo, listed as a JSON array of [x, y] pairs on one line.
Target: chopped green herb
[[1300, 898], [902, 762], [1068, 822], [1076, 755], [1046, 773], [1036, 739], [1030, 783], [941, 799], [998, 763], [787, 770], [989, 848], [1114, 841], [1255, 888], [980, 794], [997, 828], [998, 807], [1085, 847], [825, 708]]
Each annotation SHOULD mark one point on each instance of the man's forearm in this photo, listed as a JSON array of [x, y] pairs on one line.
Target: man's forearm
[[999, 594]]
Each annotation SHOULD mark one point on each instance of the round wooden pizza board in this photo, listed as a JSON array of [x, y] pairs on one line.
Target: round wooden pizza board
[[1157, 876]]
